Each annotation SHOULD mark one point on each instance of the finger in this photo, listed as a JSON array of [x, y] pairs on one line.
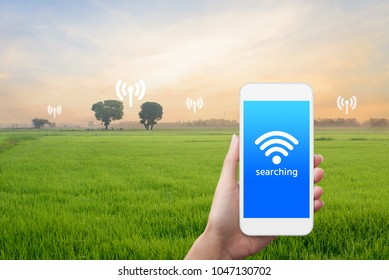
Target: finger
[[231, 160], [318, 159], [318, 205], [317, 192], [318, 174]]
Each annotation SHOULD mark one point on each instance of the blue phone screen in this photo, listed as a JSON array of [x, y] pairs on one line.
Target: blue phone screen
[[276, 159]]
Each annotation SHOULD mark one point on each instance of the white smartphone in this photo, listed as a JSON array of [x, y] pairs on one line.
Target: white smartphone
[[276, 159]]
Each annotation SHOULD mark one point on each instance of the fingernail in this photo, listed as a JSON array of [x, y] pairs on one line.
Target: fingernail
[[233, 142], [322, 158]]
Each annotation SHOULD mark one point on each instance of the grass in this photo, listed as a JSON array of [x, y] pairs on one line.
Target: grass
[[146, 195]]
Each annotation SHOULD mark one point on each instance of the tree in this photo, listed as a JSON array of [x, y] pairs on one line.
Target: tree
[[108, 111], [39, 123], [150, 113], [376, 123]]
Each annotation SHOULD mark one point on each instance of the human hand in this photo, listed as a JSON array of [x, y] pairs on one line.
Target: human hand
[[222, 237]]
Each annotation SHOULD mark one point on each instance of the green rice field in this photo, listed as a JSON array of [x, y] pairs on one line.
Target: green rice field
[[146, 195]]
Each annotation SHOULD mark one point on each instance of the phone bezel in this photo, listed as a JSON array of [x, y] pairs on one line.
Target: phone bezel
[[276, 92]]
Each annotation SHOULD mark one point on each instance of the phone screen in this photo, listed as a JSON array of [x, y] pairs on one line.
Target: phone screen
[[276, 159]]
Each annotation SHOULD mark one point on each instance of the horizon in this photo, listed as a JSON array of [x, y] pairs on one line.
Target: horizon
[[72, 54], [97, 125]]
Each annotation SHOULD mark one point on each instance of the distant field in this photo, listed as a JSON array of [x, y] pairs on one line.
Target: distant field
[[146, 195]]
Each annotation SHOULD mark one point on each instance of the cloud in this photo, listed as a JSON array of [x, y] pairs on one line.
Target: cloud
[[4, 76], [75, 57]]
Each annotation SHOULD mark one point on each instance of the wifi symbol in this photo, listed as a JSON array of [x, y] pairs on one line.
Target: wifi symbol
[[54, 110], [278, 143], [190, 103], [122, 91], [341, 102]]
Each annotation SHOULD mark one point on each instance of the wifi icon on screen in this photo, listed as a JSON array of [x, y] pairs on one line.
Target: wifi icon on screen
[[275, 143]]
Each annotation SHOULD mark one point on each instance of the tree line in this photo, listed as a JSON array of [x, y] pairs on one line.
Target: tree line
[[341, 122], [112, 110], [152, 112]]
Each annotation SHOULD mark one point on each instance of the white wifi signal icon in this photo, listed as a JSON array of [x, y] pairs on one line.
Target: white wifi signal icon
[[278, 143], [122, 90], [352, 103], [54, 110], [190, 103]]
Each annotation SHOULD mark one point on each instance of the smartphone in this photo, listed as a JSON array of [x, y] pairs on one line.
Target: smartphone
[[276, 159]]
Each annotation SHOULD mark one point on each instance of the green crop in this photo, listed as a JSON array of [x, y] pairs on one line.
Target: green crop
[[147, 195]]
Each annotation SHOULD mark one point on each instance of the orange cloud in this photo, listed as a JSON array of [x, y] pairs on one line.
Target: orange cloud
[[209, 54]]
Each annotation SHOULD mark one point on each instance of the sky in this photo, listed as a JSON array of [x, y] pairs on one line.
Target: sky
[[72, 53]]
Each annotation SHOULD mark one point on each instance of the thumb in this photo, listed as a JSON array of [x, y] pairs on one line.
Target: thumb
[[231, 161]]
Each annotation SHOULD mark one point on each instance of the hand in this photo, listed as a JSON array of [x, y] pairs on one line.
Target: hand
[[222, 237]]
